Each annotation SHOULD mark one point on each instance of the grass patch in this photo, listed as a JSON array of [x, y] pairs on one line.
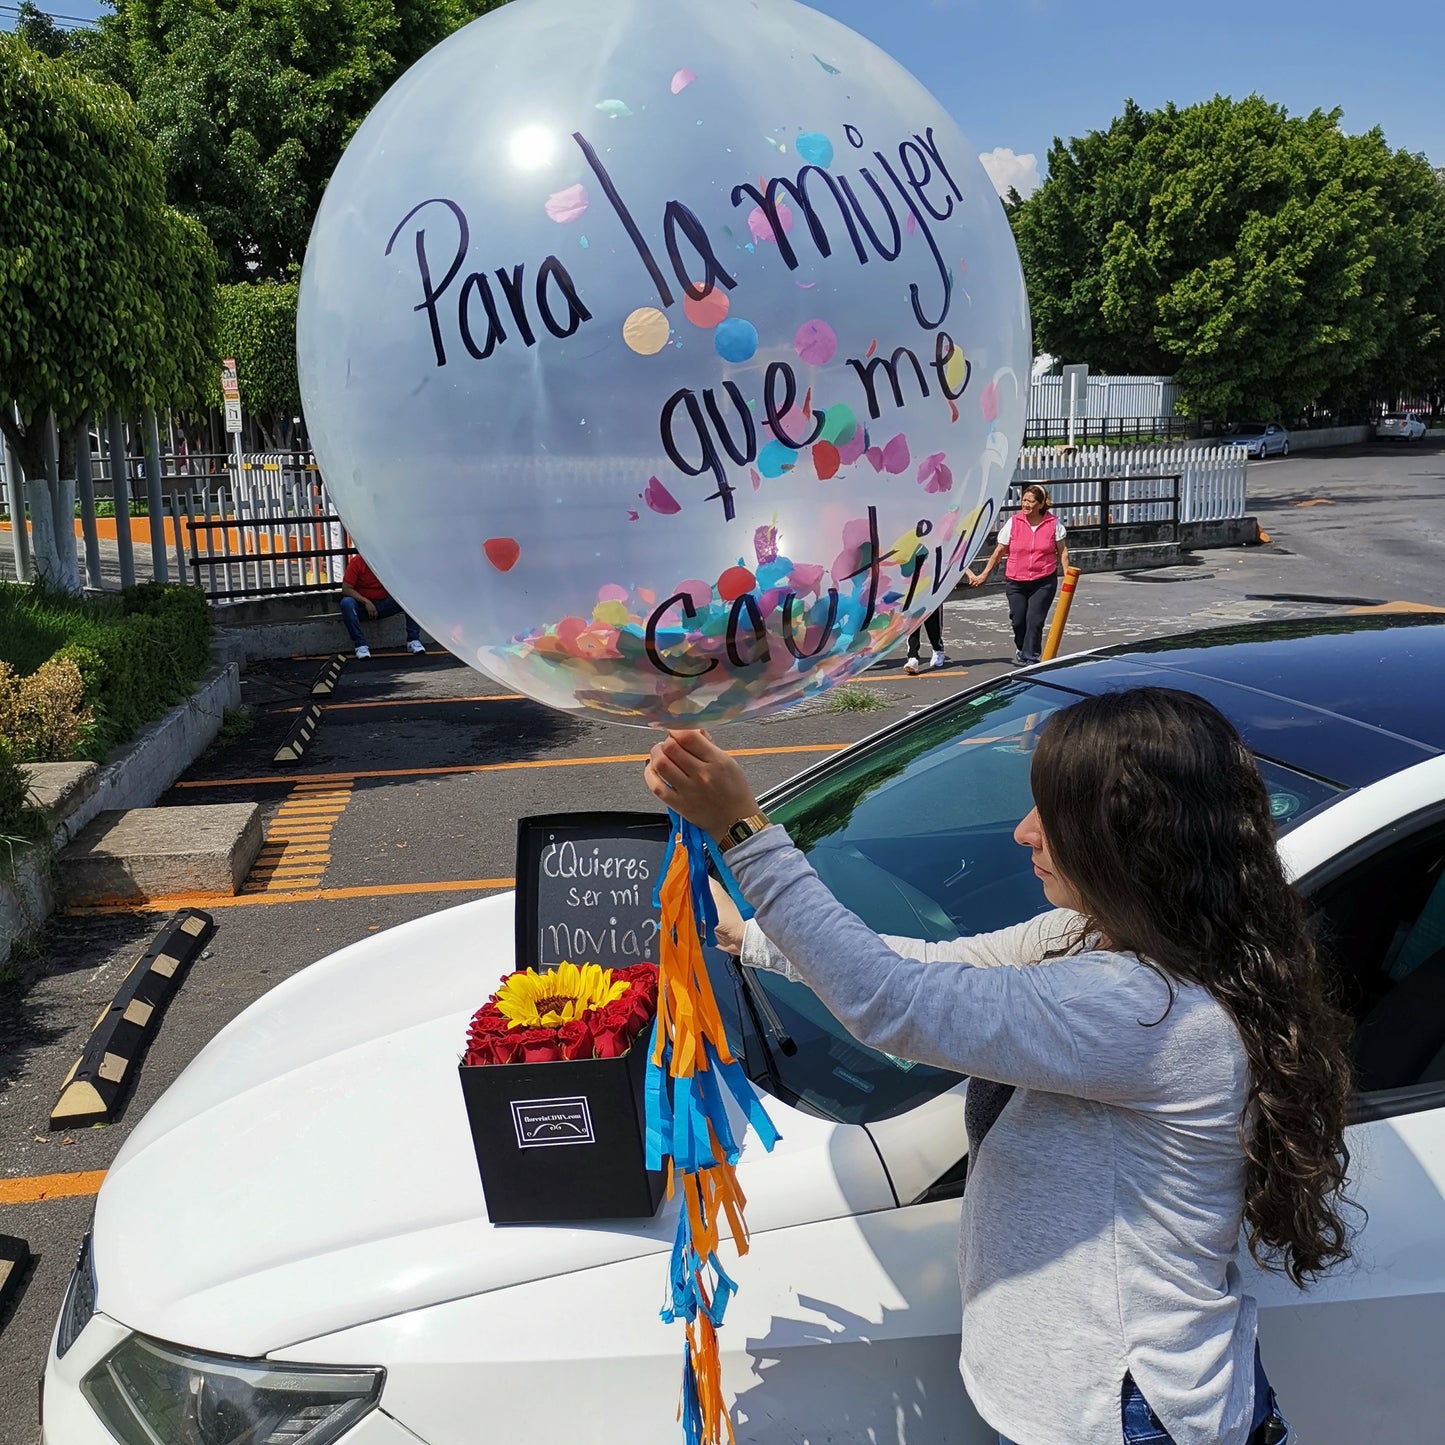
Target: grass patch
[[138, 653], [856, 699]]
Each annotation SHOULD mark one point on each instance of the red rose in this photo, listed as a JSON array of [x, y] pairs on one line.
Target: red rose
[[612, 1028], [537, 1046], [643, 1006], [492, 1049], [638, 973], [575, 1039]]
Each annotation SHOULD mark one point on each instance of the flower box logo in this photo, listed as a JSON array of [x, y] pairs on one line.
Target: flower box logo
[[541, 1123]]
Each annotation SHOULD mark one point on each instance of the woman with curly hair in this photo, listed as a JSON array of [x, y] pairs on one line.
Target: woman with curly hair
[[1153, 1065]]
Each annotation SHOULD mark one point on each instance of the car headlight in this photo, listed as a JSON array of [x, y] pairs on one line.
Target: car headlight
[[79, 1303], [149, 1393]]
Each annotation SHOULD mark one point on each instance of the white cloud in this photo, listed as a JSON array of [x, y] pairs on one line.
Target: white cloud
[[1006, 168]]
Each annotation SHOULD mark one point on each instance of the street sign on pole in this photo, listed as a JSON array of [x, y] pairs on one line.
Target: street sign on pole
[[230, 386], [233, 415], [1076, 386]]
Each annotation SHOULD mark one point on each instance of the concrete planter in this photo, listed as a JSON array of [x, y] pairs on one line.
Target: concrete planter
[[134, 777], [27, 895]]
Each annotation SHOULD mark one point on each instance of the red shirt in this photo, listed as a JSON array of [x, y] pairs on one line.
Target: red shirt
[[360, 578]]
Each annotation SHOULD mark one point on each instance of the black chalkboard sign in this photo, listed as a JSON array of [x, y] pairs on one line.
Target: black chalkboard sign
[[584, 888]]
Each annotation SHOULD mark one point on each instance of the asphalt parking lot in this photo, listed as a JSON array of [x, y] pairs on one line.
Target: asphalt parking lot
[[426, 766]]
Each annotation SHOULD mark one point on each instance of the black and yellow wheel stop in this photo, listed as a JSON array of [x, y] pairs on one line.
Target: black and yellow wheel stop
[[299, 738], [14, 1261], [104, 1073], [324, 683]]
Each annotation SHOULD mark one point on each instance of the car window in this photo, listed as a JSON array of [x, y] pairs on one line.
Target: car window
[[915, 834], [1381, 928]]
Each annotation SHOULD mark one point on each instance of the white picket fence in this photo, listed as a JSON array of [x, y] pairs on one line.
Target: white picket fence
[[1109, 397], [1141, 485]]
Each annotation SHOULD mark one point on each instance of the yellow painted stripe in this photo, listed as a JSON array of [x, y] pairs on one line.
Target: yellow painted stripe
[[33, 1189], [418, 701], [632, 759], [210, 902]]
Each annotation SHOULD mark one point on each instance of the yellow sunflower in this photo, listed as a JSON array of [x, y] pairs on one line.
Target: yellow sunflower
[[544, 1000]]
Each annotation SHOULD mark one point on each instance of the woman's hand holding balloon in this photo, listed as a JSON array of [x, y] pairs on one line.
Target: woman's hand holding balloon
[[695, 777]]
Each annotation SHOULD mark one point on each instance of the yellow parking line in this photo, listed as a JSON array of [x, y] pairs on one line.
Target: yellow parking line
[[298, 824], [210, 901], [632, 759], [36, 1187]]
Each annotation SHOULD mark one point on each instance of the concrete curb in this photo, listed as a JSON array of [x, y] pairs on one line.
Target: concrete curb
[[106, 1070], [135, 777]]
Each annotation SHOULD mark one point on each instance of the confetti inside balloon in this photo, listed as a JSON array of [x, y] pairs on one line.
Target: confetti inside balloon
[[756, 349]]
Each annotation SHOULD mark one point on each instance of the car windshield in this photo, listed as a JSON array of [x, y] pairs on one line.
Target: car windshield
[[914, 832], [1247, 428]]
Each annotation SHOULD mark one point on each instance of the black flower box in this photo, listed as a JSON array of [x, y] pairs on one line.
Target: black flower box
[[564, 1140]]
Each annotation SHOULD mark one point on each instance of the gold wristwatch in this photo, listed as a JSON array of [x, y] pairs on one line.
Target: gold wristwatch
[[743, 828]]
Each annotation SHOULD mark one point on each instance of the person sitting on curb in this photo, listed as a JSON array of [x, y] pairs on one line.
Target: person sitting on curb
[[362, 591]]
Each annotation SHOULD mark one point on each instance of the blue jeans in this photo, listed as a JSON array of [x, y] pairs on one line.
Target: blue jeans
[[1141, 1426], [387, 607]]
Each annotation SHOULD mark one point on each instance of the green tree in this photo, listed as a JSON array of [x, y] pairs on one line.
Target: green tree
[[251, 103], [106, 293], [34, 26], [1265, 261], [256, 327]]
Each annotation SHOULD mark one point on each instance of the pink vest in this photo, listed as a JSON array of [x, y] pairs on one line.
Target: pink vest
[[1031, 550]]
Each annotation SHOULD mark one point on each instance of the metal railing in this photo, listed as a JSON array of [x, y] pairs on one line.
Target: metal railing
[[1109, 429], [1113, 503]]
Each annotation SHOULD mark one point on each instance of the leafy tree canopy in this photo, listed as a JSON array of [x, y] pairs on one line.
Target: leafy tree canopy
[[251, 102], [256, 327], [1265, 261], [106, 293]]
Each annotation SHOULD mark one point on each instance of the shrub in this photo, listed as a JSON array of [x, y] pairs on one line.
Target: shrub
[[43, 717], [16, 820]]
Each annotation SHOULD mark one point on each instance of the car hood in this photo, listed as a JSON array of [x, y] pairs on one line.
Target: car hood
[[313, 1169]]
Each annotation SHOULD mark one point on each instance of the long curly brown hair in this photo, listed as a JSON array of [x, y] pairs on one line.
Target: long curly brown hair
[[1154, 809]]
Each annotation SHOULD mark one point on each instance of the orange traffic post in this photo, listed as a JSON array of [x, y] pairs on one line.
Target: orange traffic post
[[1061, 613]]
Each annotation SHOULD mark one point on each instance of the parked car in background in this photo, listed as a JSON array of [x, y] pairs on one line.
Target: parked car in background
[[1400, 426], [1259, 438], [293, 1245]]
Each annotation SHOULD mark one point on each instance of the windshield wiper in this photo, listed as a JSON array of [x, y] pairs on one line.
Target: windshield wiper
[[765, 1017]]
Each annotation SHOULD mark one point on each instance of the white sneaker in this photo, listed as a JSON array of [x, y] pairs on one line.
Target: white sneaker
[[416, 645], [937, 660], [363, 652], [911, 665]]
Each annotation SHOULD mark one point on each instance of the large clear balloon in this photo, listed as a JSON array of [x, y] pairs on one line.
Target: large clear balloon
[[666, 358]]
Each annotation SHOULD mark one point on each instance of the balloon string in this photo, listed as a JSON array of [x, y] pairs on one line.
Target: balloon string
[[691, 1075]]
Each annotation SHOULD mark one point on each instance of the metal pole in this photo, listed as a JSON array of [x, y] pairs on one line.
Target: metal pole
[[1061, 614], [85, 488], [15, 495], [120, 490], [160, 565]]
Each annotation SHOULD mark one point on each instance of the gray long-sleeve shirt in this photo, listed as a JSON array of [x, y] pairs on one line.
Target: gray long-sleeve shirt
[[1100, 1225]]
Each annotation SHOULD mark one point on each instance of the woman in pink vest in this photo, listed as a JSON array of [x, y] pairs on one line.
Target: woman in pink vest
[[1033, 542]]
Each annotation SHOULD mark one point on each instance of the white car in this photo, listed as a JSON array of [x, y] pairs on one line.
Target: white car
[[1400, 426], [1259, 439], [292, 1246]]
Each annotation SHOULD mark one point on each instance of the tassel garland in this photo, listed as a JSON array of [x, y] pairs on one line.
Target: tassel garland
[[688, 1128]]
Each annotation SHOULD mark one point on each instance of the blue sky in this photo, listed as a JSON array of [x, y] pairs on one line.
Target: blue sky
[[1016, 73]]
